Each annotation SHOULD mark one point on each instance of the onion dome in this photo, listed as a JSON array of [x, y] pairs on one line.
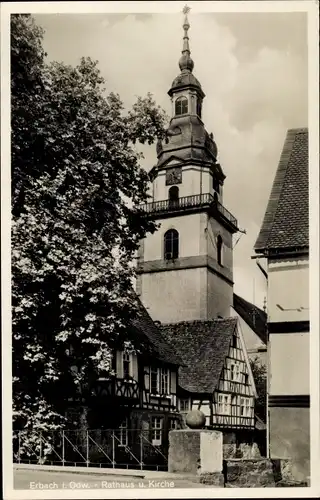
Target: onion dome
[[186, 64]]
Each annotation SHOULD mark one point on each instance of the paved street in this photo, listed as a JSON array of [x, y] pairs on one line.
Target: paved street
[[44, 480]]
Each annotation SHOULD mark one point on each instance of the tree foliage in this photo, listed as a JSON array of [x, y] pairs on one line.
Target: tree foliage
[[76, 183], [259, 373]]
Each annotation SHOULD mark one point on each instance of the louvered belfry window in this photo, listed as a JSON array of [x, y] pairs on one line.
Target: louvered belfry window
[[181, 106], [171, 244]]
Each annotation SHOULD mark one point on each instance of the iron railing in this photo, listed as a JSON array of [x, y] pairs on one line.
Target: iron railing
[[194, 201], [110, 448]]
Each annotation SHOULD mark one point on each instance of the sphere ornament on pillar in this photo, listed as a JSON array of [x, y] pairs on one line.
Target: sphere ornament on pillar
[[195, 419]]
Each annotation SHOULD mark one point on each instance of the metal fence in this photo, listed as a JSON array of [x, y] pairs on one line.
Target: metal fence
[[112, 448]]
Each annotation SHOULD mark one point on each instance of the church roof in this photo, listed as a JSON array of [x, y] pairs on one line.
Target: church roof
[[286, 221], [252, 315], [203, 347], [148, 330]]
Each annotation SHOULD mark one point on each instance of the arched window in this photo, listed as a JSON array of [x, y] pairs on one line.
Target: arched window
[[181, 106], [199, 107], [173, 196], [219, 250], [171, 244]]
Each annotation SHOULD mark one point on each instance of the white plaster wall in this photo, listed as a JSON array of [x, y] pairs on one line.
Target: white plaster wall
[[219, 296], [193, 182], [289, 363], [214, 228], [288, 286], [189, 228], [172, 296]]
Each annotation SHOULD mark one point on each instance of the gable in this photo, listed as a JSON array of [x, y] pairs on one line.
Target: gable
[[236, 375], [251, 339]]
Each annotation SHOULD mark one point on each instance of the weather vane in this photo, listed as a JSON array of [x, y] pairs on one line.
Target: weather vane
[[186, 9]]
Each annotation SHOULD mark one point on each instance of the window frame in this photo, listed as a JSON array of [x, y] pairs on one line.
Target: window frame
[[126, 362], [223, 404], [220, 250], [184, 400], [156, 430], [162, 374], [182, 103], [123, 434], [235, 373], [245, 407], [171, 244]]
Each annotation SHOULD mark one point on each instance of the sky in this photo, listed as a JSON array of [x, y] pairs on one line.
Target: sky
[[253, 70]]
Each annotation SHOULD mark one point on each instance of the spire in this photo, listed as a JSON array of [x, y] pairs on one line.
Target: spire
[[185, 62]]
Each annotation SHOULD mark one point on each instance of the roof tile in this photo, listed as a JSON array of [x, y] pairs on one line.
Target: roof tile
[[202, 346], [286, 221]]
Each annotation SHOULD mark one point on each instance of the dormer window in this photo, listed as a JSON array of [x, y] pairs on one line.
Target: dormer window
[[181, 107]]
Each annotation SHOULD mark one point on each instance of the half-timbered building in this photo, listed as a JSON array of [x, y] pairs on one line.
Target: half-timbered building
[[215, 376]]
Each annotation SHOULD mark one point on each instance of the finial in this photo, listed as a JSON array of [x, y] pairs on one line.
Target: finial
[[186, 63], [186, 9]]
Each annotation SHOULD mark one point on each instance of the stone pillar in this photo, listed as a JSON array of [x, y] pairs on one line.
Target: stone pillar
[[197, 452]]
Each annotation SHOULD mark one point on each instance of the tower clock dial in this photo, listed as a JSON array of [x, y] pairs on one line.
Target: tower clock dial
[[173, 176]]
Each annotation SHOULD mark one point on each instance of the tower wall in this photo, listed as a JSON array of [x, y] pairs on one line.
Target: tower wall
[[194, 286], [194, 181]]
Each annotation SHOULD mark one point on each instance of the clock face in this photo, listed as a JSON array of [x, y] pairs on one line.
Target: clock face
[[174, 176]]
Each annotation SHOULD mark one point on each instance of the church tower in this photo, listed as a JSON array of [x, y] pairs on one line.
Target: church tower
[[185, 267]]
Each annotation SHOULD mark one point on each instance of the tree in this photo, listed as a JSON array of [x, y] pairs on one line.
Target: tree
[[76, 188], [260, 378]]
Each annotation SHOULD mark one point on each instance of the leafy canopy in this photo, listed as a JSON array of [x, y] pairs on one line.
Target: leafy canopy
[[76, 181]]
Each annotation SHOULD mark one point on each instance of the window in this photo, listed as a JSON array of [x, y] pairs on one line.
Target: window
[[245, 408], [159, 381], [173, 424], [234, 341], [199, 107], [219, 250], [154, 381], [181, 106], [173, 196], [235, 372], [123, 433], [164, 381], [171, 244], [156, 430], [224, 404], [126, 364], [184, 405], [246, 378]]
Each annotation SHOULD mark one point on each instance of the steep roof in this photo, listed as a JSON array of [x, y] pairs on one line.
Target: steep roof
[[148, 330], [202, 346], [252, 315], [286, 221]]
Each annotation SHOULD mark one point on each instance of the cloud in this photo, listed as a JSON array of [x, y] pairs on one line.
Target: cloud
[[253, 70]]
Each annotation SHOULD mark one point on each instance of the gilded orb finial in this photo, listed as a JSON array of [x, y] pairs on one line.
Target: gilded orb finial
[[186, 10]]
